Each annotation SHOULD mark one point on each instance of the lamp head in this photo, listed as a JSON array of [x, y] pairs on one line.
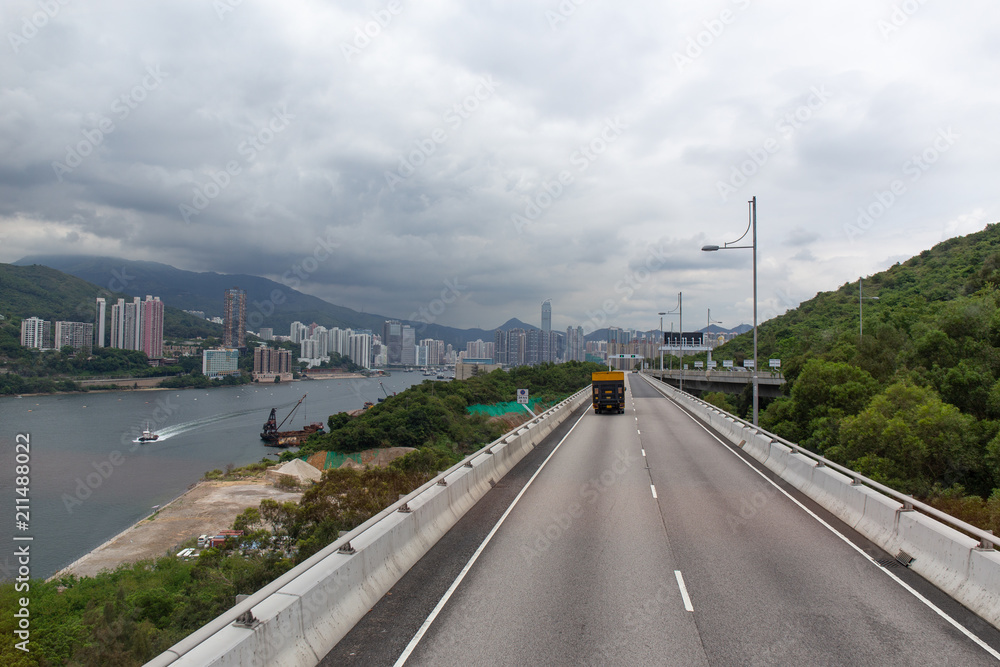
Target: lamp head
[[709, 248]]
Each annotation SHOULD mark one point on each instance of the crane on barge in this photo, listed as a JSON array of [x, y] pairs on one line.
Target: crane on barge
[[273, 436]]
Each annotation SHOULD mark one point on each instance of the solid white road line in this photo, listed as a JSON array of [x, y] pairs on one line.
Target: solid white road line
[[940, 612], [404, 656]]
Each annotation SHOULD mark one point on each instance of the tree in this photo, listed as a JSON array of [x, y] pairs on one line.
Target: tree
[[911, 440]]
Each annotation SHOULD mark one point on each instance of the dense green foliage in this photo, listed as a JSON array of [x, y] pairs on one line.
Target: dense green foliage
[[915, 403], [433, 413]]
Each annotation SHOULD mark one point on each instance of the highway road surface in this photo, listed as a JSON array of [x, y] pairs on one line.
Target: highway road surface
[[643, 539]]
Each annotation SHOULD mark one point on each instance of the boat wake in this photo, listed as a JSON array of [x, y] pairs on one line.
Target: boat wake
[[168, 432]]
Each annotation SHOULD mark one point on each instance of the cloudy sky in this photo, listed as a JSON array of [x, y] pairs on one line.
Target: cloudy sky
[[476, 158]]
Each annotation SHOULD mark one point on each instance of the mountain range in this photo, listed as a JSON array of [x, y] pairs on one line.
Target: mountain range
[[269, 303]]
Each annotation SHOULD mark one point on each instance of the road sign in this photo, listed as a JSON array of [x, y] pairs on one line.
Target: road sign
[[774, 363], [712, 363], [727, 363], [625, 356], [699, 364], [522, 396], [748, 363]]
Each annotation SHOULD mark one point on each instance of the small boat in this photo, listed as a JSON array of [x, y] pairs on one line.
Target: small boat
[[147, 435]]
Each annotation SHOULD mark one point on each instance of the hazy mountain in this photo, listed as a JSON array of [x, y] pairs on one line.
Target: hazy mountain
[[45, 292], [269, 303]]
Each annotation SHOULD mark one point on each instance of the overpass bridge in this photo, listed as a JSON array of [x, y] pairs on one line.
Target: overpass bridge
[[669, 535], [698, 381]]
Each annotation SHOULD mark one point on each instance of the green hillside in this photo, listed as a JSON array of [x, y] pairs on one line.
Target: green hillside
[[40, 291], [269, 303], [915, 403]]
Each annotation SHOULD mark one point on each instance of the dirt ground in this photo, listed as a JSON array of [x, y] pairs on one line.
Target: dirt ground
[[204, 510]]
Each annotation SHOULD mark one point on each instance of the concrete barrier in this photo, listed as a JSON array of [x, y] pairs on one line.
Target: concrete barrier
[[303, 614], [979, 592], [941, 554], [878, 523]]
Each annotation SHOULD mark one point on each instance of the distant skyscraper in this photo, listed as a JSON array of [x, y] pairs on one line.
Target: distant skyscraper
[[152, 327], [392, 339], [545, 352], [234, 332], [408, 351], [100, 317]]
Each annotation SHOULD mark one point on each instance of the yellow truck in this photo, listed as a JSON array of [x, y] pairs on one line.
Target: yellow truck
[[609, 391]]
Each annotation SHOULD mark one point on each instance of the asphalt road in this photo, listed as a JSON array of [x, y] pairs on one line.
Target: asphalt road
[[587, 567]]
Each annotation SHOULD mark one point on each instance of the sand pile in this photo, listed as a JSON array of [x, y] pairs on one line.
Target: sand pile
[[299, 470]]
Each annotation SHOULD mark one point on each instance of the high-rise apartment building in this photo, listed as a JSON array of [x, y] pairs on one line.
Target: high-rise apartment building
[[152, 327], [36, 332], [78, 335], [269, 364], [126, 324], [234, 332], [359, 347], [100, 317], [576, 349]]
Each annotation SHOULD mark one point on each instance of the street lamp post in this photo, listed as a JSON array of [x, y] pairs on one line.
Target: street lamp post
[[680, 325], [751, 227], [861, 312], [661, 344]]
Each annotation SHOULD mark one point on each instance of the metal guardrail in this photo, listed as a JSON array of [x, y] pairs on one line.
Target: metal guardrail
[[987, 540]]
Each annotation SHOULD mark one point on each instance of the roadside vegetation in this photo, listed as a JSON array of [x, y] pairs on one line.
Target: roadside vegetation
[[128, 616], [915, 403]]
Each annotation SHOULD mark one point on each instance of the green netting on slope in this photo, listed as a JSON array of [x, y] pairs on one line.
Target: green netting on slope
[[498, 409], [336, 459]]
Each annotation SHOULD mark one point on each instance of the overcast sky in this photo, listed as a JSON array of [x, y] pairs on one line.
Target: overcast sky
[[476, 158]]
